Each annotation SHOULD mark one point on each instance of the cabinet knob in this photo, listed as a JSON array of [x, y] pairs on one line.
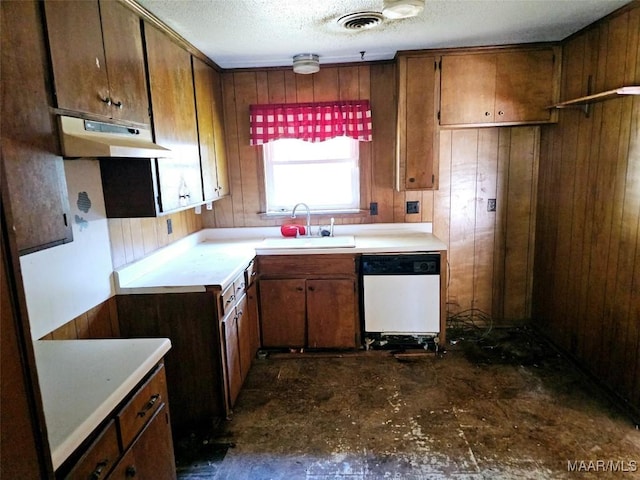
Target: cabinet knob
[[311, 289], [152, 401], [487, 114], [97, 473], [412, 179], [130, 471], [500, 112], [106, 100], [300, 289]]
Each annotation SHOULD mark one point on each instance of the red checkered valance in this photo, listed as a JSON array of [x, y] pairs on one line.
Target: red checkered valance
[[312, 122]]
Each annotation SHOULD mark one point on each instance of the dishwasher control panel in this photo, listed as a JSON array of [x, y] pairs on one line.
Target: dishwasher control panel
[[401, 264]]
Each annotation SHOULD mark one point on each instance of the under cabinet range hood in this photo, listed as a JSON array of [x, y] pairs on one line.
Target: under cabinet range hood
[[88, 138]]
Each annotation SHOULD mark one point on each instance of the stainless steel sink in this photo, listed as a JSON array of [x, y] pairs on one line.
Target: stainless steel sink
[[341, 241]]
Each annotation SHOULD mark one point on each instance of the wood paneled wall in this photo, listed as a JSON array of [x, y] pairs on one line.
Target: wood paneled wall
[[587, 271], [133, 238], [490, 252]]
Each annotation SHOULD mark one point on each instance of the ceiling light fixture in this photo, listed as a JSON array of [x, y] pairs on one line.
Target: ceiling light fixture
[[402, 8], [306, 63]]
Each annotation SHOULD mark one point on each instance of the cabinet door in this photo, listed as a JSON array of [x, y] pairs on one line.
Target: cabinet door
[[468, 89], [174, 121], [33, 177], [282, 312], [331, 313], [246, 333], [417, 112], [151, 455], [222, 171], [524, 86], [252, 319], [204, 85], [232, 355], [125, 60], [77, 54]]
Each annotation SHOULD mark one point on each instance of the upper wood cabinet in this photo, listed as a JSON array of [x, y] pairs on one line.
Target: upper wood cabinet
[[417, 133], [174, 120], [215, 179], [97, 59], [33, 179], [502, 87]]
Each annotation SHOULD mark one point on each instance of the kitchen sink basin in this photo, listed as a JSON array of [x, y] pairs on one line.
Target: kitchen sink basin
[[342, 241]]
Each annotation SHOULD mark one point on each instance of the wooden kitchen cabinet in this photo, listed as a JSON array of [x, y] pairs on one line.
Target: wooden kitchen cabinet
[[283, 312], [416, 129], [215, 178], [214, 337], [308, 301], [32, 177], [499, 87], [97, 59], [135, 441], [173, 120], [151, 455]]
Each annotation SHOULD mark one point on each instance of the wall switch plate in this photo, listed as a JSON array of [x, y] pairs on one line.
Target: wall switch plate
[[373, 208], [413, 207], [169, 227], [491, 205]]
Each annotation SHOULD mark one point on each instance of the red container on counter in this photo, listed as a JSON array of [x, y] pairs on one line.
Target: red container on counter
[[292, 230]]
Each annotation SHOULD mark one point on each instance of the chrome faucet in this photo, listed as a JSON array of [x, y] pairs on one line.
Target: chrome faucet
[[293, 215]]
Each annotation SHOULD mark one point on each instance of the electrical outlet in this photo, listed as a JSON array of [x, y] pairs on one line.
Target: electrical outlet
[[413, 207], [373, 208], [491, 205], [169, 227]]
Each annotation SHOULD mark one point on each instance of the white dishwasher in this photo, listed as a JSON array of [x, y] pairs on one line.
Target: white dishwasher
[[401, 294]]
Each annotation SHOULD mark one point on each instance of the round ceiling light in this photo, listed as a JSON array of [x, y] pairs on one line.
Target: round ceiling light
[[402, 8], [306, 63]]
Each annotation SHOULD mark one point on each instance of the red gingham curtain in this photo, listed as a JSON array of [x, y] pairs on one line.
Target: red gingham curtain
[[312, 122]]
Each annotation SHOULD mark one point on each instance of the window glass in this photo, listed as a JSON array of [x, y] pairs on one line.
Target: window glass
[[324, 175]]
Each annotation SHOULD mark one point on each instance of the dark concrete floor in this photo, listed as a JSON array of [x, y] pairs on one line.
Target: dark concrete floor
[[503, 406]]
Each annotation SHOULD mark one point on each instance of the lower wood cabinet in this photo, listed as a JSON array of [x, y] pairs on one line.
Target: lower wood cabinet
[[309, 301], [135, 441], [214, 337]]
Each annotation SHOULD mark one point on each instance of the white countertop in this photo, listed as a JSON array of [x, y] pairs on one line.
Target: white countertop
[[82, 381], [214, 257]]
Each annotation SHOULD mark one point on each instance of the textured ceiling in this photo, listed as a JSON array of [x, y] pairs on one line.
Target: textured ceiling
[[261, 33]]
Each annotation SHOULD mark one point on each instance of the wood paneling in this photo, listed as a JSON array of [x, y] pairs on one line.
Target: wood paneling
[[587, 270], [133, 238], [99, 322], [491, 252]]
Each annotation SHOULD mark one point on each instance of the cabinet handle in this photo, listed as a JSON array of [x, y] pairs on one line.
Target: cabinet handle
[[230, 299], [118, 105], [311, 289], [95, 475], [300, 289], [239, 314], [152, 401], [106, 100], [487, 114], [130, 471]]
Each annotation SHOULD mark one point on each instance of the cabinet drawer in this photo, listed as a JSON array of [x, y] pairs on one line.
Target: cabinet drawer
[[142, 406], [100, 457], [227, 300], [305, 265], [250, 273]]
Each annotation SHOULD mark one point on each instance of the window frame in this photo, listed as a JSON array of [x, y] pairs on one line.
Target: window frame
[[355, 160]]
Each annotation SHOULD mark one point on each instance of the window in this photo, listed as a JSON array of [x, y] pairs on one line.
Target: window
[[324, 175]]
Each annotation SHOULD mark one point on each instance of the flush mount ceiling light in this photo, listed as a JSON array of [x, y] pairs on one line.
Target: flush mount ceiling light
[[306, 63], [402, 8]]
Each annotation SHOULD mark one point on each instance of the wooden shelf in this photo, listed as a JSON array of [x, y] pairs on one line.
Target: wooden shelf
[[584, 102]]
